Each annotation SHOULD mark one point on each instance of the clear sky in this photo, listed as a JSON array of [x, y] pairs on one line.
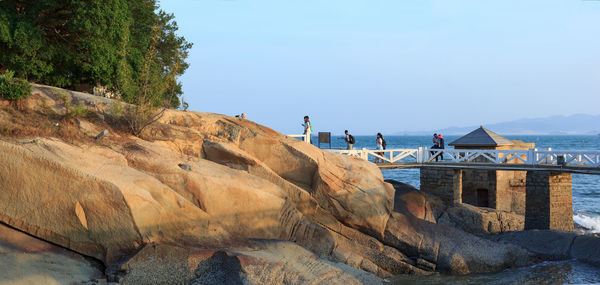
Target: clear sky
[[390, 66]]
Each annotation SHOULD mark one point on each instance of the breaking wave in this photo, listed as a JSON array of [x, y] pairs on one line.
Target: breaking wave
[[590, 223]]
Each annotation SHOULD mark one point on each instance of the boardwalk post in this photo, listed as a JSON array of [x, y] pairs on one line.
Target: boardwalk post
[[444, 183], [531, 156], [364, 154], [549, 201]]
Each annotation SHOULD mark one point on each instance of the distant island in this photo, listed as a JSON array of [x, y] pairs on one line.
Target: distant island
[[578, 124]]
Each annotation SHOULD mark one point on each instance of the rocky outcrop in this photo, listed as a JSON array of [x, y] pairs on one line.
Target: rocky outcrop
[[261, 262], [409, 200], [479, 220], [555, 245], [27, 260], [476, 220], [200, 181], [446, 249], [586, 248], [121, 208]]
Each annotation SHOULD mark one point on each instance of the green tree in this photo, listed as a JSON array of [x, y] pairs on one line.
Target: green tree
[[171, 51], [79, 44]]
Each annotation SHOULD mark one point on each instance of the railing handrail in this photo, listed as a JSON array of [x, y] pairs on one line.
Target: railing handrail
[[532, 156], [304, 137]]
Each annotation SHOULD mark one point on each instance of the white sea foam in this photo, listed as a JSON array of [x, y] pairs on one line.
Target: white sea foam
[[591, 223]]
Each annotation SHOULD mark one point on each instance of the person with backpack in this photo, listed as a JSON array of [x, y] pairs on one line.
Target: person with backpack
[[349, 140]]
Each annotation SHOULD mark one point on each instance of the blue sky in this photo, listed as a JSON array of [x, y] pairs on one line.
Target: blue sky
[[390, 66]]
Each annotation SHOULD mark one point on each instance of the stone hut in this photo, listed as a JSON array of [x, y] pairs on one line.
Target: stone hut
[[543, 196], [502, 190]]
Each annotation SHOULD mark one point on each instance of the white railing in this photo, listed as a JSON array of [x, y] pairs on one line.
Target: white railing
[[547, 157], [304, 138], [388, 155]]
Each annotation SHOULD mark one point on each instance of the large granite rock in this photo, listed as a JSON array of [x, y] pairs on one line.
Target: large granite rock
[[410, 201], [242, 181], [336, 182], [446, 249], [479, 220], [549, 244], [260, 262], [555, 245], [586, 248], [90, 200], [27, 260]]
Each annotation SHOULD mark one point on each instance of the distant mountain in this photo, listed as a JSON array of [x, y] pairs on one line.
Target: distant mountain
[[579, 124]]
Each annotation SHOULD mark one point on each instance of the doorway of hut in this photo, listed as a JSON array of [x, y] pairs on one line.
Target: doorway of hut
[[483, 197]]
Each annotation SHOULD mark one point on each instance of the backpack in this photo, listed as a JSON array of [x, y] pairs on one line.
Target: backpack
[[383, 143], [351, 139]]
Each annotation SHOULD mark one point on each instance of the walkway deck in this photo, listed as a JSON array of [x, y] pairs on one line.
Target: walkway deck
[[584, 162], [487, 166]]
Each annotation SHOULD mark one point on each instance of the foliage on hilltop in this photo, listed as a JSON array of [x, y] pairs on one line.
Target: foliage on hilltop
[[13, 88], [79, 44]]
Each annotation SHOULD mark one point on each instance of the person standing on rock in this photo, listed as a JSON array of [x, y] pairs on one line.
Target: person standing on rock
[[349, 140], [307, 129]]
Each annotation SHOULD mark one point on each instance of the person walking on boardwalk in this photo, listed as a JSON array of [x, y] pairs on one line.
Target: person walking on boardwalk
[[435, 141], [381, 144], [307, 129], [440, 145], [349, 140], [435, 145]]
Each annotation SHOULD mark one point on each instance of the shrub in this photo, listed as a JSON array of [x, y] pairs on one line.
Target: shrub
[[140, 116], [77, 111], [72, 111], [115, 109], [12, 88]]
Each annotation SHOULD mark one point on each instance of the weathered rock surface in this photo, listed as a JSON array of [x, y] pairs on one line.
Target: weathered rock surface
[[261, 262], [446, 249], [586, 248], [410, 201], [46, 180], [479, 220], [241, 181], [27, 260], [555, 245]]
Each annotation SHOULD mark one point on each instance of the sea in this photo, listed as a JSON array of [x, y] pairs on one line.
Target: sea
[[586, 211]]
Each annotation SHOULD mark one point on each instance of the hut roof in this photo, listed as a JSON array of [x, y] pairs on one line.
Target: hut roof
[[481, 137]]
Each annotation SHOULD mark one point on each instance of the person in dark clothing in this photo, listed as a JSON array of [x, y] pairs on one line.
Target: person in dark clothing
[[440, 145], [349, 140], [435, 144]]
